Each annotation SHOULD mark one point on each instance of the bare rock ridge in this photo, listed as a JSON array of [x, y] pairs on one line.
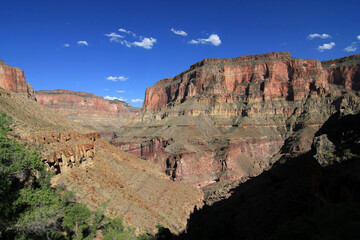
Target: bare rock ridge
[[88, 110], [226, 119], [13, 79]]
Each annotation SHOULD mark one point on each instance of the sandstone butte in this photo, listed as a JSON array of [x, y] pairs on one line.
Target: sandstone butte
[[13, 79], [96, 171], [88, 110], [229, 119]]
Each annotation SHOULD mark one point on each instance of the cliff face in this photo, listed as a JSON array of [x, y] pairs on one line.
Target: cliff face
[[231, 118], [272, 76], [13, 79], [88, 110], [344, 71]]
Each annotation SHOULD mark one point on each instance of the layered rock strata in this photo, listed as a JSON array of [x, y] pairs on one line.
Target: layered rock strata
[[13, 79], [88, 110], [230, 118]]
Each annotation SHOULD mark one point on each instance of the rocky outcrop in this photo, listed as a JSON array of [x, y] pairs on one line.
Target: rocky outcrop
[[73, 149], [344, 71], [13, 79], [231, 118], [338, 140], [87, 109]]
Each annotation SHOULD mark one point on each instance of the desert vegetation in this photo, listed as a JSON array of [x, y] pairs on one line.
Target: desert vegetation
[[31, 209]]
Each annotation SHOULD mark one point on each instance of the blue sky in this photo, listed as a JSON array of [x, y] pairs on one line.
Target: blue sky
[[118, 48]]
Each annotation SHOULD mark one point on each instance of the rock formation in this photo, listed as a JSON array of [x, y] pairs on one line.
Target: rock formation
[[13, 79], [229, 119], [344, 72], [88, 110], [81, 149]]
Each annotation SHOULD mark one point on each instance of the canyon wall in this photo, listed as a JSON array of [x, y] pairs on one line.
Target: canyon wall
[[226, 119], [344, 72], [272, 76], [88, 110], [13, 79]]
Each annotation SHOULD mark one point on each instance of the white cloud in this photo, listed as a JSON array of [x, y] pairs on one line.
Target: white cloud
[[66, 45], [115, 98], [136, 100], [120, 91], [351, 48], [214, 39], [358, 37], [114, 37], [326, 46], [83, 43], [128, 32], [179, 32], [146, 43], [106, 89], [116, 79], [317, 35]]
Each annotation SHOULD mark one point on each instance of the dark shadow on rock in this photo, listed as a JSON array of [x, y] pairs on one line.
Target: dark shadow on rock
[[296, 199]]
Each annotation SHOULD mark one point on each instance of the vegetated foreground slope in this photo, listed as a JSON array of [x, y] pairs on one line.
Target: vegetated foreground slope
[[229, 119], [97, 172]]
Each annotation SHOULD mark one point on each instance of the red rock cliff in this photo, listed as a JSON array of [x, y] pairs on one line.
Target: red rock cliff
[[231, 118], [13, 79], [70, 102], [269, 76], [87, 109], [344, 71]]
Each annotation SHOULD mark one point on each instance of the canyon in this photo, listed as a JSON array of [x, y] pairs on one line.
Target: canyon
[[95, 171], [259, 120], [230, 119], [222, 119]]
